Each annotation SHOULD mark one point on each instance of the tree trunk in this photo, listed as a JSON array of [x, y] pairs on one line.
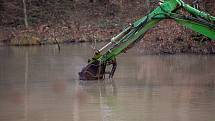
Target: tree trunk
[[121, 5], [25, 13], [1, 5], [148, 6]]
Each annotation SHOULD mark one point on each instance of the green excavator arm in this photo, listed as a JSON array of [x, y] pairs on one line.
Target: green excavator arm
[[198, 21]]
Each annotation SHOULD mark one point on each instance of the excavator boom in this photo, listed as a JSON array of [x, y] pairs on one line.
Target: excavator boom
[[198, 21]]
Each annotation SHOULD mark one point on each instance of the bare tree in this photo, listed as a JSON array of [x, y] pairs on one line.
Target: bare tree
[[121, 4], [25, 13]]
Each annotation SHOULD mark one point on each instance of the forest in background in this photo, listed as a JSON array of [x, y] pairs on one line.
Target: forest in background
[[38, 22]]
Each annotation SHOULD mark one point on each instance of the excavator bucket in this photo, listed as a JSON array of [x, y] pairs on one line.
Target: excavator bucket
[[93, 71]]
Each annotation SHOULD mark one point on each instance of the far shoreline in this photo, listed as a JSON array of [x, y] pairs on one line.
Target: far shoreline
[[141, 50]]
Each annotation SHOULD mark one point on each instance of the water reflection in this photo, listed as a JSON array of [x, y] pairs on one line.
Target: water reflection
[[99, 94], [39, 84]]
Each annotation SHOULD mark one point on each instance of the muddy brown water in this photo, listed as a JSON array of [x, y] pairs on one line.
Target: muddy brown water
[[40, 84]]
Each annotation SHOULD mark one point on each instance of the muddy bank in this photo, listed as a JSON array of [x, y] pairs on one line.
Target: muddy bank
[[162, 39], [46, 34]]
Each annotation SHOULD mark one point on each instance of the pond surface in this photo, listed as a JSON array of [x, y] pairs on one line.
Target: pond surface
[[40, 84]]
